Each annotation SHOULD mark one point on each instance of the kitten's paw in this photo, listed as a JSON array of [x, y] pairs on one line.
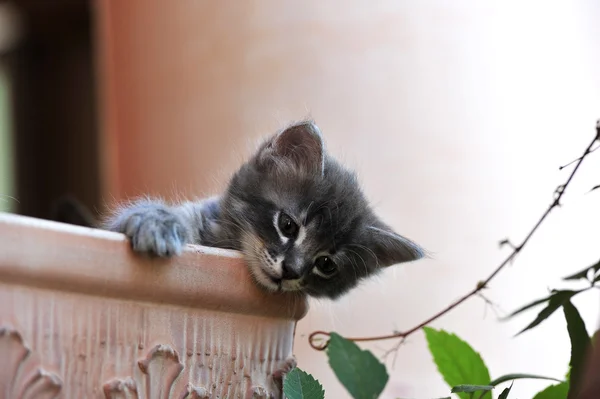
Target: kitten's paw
[[283, 368], [152, 228]]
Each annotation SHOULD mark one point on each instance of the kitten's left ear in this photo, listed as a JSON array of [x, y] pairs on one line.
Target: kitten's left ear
[[302, 144], [390, 247]]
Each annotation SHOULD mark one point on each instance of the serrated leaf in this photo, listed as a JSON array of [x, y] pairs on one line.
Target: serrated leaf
[[557, 299], [471, 388], [517, 376], [456, 361], [505, 392], [559, 391], [583, 274], [300, 385], [358, 370], [580, 342]]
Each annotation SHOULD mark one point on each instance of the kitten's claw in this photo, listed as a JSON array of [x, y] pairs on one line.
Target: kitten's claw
[[152, 228]]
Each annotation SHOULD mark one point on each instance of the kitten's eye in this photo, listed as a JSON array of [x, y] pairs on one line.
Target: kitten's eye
[[325, 266], [287, 226]]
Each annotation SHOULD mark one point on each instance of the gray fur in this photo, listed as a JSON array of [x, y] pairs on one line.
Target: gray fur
[[290, 173]]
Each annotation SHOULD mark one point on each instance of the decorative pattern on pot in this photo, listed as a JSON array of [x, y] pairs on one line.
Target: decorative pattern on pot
[[21, 375]]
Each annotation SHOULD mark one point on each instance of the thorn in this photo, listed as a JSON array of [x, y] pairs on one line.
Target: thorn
[[507, 242]]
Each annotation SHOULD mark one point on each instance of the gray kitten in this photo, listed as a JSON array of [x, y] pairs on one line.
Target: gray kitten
[[298, 216]]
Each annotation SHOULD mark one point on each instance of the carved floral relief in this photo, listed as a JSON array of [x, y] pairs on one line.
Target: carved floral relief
[[160, 369], [21, 375]]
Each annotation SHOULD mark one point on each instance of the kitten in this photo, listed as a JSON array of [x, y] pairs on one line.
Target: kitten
[[298, 216]]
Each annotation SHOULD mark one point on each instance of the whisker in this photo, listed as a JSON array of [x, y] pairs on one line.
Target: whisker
[[353, 265], [3, 197], [307, 210], [363, 261], [369, 250]]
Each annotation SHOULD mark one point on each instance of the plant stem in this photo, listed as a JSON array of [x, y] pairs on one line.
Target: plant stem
[[559, 192]]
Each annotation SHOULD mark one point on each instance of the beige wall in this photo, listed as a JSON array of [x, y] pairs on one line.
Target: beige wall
[[456, 114]]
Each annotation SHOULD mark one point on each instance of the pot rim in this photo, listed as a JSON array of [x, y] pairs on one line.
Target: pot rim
[[52, 255]]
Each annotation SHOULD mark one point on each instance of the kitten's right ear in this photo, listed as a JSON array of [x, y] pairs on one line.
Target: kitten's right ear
[[389, 247], [301, 144]]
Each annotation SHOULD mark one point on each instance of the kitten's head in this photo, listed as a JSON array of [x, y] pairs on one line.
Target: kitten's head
[[303, 222]]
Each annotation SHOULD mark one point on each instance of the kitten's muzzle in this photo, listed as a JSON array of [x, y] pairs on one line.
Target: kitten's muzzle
[[288, 272]]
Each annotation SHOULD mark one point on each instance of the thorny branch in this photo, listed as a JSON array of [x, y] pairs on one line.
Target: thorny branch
[[318, 336]]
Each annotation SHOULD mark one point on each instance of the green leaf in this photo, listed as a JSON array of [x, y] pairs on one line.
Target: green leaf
[[301, 385], [358, 370], [583, 275], [504, 394], [456, 361], [557, 299], [559, 391], [528, 306], [518, 376], [471, 388], [580, 342], [512, 377]]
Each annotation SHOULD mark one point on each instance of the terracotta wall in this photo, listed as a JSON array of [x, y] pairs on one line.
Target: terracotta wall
[[457, 116]]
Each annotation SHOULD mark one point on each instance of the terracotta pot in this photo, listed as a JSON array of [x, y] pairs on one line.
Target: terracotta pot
[[82, 316]]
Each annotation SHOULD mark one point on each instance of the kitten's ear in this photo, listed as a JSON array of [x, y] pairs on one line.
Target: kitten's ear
[[302, 144], [390, 247]]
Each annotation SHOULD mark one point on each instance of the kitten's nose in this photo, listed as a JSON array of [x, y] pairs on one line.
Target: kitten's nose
[[287, 272]]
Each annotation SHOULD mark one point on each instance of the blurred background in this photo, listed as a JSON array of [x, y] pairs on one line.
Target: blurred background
[[457, 116]]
